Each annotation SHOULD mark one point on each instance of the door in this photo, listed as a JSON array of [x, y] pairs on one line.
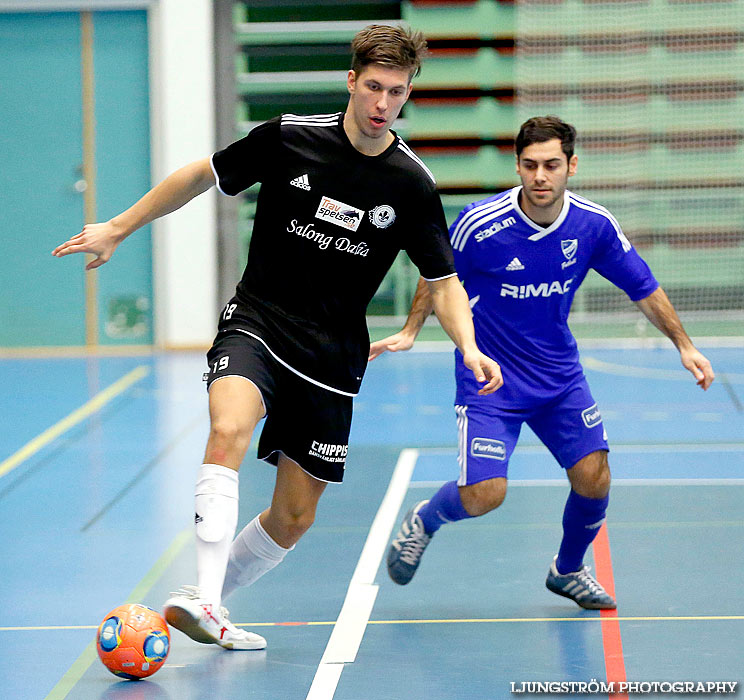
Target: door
[[43, 299]]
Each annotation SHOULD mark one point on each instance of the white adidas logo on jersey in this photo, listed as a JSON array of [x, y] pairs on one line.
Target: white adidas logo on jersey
[[302, 182], [515, 265]]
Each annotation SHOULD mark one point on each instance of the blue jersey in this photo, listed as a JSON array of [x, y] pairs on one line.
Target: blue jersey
[[521, 279]]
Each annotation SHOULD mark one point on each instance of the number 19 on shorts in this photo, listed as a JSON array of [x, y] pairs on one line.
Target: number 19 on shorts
[[221, 364]]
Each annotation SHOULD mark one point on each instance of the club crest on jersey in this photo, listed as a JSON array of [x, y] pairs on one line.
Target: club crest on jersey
[[382, 216], [343, 215], [569, 249]]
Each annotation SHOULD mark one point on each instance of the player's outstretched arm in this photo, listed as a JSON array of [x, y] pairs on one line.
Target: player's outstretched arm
[[172, 193], [421, 308], [659, 310], [453, 311]]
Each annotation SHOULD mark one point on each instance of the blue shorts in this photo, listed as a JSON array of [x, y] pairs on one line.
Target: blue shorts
[[570, 426]]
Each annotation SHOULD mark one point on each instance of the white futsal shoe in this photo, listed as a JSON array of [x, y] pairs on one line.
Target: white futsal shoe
[[187, 611]]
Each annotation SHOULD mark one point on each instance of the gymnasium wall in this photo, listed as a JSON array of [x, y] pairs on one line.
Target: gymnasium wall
[[655, 88], [153, 64]]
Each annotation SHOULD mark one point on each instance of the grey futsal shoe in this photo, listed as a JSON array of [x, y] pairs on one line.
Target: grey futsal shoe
[[408, 547], [581, 587]]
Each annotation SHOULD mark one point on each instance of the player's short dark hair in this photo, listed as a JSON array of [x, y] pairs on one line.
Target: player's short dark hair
[[394, 47], [541, 129]]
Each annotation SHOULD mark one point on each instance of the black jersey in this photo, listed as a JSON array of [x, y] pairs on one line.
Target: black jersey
[[329, 224]]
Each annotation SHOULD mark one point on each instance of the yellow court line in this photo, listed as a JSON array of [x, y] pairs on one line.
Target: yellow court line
[[326, 623], [77, 416], [593, 618]]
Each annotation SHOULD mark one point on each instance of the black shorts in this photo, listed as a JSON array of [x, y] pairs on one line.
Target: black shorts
[[309, 424]]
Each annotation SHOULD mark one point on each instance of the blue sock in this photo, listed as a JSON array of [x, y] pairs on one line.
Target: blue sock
[[445, 506], [582, 519]]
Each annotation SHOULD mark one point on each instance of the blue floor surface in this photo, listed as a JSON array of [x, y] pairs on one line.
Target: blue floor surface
[[88, 515]]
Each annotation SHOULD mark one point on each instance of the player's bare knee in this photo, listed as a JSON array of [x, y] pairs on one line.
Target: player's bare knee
[[604, 479], [590, 476], [228, 433], [601, 478], [299, 526], [483, 497], [294, 522]]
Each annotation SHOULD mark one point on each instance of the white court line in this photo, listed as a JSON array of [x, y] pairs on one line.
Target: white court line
[[352, 621], [645, 372], [627, 448], [723, 481]]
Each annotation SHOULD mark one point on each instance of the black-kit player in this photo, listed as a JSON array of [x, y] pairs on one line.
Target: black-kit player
[[341, 195]]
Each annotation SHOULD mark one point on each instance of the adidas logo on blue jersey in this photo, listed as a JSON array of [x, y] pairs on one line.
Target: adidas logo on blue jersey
[[515, 264], [302, 182]]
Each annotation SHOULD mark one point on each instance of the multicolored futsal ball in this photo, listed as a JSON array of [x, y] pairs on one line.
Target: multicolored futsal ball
[[133, 641]]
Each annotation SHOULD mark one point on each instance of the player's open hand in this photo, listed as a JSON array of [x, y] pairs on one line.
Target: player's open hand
[[699, 365], [484, 369], [97, 239], [398, 342]]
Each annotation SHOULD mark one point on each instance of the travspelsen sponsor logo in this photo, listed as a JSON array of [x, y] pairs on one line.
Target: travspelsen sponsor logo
[[343, 215], [494, 228], [485, 447], [543, 289], [591, 416]]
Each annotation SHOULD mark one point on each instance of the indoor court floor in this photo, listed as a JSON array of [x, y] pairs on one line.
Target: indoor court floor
[[97, 464]]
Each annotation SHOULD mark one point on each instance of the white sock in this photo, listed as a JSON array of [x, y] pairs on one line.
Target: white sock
[[252, 554], [216, 501]]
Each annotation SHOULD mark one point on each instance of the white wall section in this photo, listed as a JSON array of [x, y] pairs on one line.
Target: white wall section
[[183, 130]]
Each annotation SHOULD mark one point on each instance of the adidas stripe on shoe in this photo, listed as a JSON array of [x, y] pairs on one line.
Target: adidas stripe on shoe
[[581, 587], [408, 547]]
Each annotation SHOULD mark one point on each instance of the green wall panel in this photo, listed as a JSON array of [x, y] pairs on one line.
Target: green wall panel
[[123, 168], [42, 300]]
